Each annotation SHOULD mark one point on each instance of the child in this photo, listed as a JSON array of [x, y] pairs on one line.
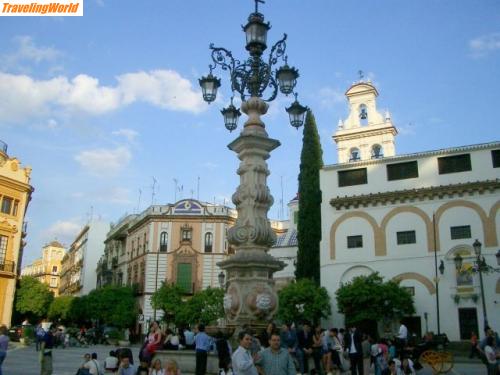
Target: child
[[171, 368], [143, 368]]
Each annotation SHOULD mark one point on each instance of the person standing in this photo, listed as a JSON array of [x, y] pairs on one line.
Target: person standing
[[242, 360], [46, 347], [276, 360], [353, 346], [189, 338], [473, 345], [402, 338], [366, 345], [317, 348], [203, 344], [304, 347], [4, 344], [223, 352]]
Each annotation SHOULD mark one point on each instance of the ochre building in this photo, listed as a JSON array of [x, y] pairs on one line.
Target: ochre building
[[15, 194]]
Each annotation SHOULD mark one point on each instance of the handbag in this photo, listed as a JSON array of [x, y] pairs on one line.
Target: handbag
[[83, 371]]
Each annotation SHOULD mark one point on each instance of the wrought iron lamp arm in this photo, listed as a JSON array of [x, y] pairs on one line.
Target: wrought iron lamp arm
[[278, 50]]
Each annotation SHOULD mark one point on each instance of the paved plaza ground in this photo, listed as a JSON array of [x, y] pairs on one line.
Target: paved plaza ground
[[24, 361]]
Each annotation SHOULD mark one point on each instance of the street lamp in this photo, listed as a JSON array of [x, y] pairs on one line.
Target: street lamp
[[250, 296], [480, 266]]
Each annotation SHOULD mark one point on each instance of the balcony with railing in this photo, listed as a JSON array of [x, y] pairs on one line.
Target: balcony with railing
[[7, 266]]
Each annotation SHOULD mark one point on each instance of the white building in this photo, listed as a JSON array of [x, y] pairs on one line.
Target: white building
[[286, 246], [388, 213], [78, 276]]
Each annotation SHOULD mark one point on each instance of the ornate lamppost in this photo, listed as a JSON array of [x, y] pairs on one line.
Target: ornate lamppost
[[480, 266], [250, 297]]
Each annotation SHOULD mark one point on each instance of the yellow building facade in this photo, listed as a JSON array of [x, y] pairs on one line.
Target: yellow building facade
[[48, 269], [15, 194]]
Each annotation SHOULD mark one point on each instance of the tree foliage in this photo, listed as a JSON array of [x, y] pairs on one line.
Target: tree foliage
[[169, 299], [205, 307], [33, 298], [370, 298], [114, 305], [60, 309], [303, 301], [309, 218]]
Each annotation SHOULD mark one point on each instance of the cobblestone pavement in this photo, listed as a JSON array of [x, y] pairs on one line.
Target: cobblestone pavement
[[24, 361]]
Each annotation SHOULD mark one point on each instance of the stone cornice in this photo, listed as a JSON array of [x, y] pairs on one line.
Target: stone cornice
[[427, 193], [418, 155], [363, 132]]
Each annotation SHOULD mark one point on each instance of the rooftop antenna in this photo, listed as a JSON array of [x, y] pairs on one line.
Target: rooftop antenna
[[153, 191], [175, 189], [198, 189], [361, 75], [139, 201], [192, 193]]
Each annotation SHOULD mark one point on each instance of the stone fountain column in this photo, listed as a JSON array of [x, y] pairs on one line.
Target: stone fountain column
[[250, 297]]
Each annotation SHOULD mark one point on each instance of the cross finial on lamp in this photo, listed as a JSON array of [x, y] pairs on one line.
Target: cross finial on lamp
[[361, 75], [257, 5]]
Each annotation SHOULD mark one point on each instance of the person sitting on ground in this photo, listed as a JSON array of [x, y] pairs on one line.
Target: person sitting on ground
[[171, 368], [126, 368], [111, 363], [156, 368]]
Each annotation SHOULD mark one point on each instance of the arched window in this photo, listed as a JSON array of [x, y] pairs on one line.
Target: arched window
[[208, 242], [363, 114], [354, 154], [377, 152], [163, 241]]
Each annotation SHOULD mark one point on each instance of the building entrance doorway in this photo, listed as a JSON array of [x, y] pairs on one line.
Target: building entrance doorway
[[467, 320]]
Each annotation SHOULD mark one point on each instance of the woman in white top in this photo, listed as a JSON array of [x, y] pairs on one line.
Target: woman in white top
[[156, 368], [111, 363]]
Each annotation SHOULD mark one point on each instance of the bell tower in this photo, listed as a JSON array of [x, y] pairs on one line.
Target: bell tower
[[365, 134]]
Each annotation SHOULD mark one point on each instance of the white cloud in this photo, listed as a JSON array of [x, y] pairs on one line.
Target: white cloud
[[329, 97], [85, 94], [104, 162], [484, 44], [27, 50], [129, 134], [209, 165], [22, 97], [64, 230], [162, 88]]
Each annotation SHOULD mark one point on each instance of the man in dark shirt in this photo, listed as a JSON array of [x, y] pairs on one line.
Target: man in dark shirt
[[304, 347], [353, 344], [47, 344]]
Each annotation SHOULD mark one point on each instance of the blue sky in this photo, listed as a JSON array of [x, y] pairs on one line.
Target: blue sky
[[99, 105]]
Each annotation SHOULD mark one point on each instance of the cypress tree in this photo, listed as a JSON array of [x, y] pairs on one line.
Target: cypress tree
[[309, 217]]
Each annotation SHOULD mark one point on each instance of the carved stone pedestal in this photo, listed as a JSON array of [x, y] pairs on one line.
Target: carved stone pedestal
[[250, 297]]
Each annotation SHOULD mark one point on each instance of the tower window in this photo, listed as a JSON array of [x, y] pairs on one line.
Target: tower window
[[163, 241], [363, 112], [377, 152], [355, 154], [208, 242]]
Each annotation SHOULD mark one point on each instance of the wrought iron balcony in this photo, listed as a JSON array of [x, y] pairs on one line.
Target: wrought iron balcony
[[7, 266]]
